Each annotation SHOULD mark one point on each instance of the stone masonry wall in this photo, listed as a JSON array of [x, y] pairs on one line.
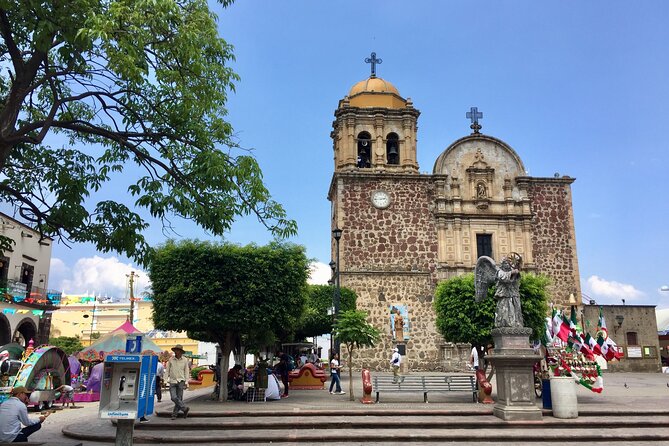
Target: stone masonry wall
[[553, 236], [388, 256], [639, 319]]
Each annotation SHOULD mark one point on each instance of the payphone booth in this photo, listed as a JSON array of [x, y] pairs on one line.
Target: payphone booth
[[128, 384]]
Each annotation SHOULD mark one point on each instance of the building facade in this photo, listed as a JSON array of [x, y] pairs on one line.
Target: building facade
[[26, 303], [634, 329], [84, 317], [404, 231]]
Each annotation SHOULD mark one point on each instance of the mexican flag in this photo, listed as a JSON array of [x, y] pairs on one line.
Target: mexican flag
[[592, 343], [612, 352], [606, 344], [573, 321], [601, 325], [577, 345], [560, 327]]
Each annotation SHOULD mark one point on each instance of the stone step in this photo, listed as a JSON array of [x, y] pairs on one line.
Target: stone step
[[247, 422], [401, 434], [389, 427]]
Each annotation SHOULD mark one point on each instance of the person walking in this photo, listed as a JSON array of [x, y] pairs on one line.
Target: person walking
[[178, 372], [474, 358], [14, 413], [160, 373], [335, 367], [395, 361]]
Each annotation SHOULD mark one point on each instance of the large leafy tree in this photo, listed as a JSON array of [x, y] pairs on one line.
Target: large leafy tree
[[461, 319], [133, 89], [354, 332], [68, 344], [315, 320], [224, 292]]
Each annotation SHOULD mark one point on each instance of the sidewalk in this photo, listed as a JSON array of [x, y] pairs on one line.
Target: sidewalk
[[629, 393]]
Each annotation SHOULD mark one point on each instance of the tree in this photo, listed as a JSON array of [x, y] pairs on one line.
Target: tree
[[90, 88], [68, 344], [353, 331], [223, 292], [315, 320], [461, 319]]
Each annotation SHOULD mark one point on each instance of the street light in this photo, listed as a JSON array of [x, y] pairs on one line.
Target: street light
[[336, 233]]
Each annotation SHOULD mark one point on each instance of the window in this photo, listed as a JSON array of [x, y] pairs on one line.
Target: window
[[484, 245], [393, 149], [632, 338], [364, 150]]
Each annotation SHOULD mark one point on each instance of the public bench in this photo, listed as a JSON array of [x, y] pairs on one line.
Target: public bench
[[425, 384]]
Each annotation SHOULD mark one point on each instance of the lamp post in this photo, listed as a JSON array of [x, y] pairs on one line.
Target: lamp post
[[336, 233]]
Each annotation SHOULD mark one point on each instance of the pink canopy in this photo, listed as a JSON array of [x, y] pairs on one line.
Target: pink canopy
[[114, 343]]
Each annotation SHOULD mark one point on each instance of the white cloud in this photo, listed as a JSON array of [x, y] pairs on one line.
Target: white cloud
[[319, 274], [97, 275], [612, 289]]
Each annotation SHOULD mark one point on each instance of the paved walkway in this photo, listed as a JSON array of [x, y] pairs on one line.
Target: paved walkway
[[624, 393]]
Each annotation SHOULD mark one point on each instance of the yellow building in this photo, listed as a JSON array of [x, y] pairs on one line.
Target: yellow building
[[83, 317]]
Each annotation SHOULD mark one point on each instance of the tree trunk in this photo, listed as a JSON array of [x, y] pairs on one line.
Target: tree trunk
[[226, 345], [350, 348]]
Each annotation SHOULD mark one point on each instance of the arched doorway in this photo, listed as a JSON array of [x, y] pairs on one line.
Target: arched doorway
[[25, 331], [5, 330]]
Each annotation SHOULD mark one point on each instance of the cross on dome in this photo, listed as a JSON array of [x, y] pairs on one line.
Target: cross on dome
[[474, 115], [373, 60]]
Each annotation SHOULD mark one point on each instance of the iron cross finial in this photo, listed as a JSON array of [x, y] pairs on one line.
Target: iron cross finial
[[474, 115], [373, 60]]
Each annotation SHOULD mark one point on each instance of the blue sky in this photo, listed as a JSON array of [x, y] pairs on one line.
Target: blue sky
[[575, 87]]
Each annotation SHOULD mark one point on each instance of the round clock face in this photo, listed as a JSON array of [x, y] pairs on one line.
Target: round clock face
[[380, 199]]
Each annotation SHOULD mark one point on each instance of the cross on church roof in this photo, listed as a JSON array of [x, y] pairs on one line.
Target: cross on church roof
[[373, 60], [474, 115]]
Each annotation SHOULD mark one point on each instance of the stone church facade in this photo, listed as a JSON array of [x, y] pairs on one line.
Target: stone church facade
[[404, 231]]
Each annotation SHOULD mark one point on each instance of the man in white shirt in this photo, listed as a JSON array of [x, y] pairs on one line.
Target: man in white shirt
[[395, 361], [160, 372], [474, 358], [13, 413], [178, 373]]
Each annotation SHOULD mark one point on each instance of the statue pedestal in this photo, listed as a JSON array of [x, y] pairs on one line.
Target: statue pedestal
[[513, 361]]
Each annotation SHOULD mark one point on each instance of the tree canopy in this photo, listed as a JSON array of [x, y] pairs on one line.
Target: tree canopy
[[222, 292], [315, 320], [354, 332], [461, 319], [68, 344], [123, 90]]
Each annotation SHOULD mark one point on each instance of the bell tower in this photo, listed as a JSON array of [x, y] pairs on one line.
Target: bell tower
[[375, 128]]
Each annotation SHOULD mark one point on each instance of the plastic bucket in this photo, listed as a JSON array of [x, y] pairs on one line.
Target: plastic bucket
[[563, 397]]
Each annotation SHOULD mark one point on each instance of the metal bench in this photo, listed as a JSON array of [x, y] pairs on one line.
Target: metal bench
[[409, 383], [454, 383], [426, 384]]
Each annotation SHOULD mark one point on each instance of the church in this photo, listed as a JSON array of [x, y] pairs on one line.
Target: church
[[404, 231]]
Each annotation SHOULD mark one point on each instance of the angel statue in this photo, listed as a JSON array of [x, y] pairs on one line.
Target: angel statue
[[507, 279]]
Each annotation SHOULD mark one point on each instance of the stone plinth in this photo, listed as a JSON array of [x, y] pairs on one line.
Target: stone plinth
[[513, 361]]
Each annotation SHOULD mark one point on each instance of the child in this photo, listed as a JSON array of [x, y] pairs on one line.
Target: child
[[67, 395]]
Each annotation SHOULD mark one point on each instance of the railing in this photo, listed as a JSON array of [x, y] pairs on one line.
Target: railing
[[17, 292]]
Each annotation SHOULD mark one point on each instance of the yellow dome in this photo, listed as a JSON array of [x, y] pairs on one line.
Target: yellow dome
[[375, 92], [373, 84]]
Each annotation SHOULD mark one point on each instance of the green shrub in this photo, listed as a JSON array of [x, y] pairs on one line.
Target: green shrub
[[195, 370]]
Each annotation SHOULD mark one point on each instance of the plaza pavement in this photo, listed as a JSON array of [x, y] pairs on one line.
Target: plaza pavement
[[632, 409]]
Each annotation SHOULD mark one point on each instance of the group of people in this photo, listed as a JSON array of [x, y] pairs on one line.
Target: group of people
[[308, 357]]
